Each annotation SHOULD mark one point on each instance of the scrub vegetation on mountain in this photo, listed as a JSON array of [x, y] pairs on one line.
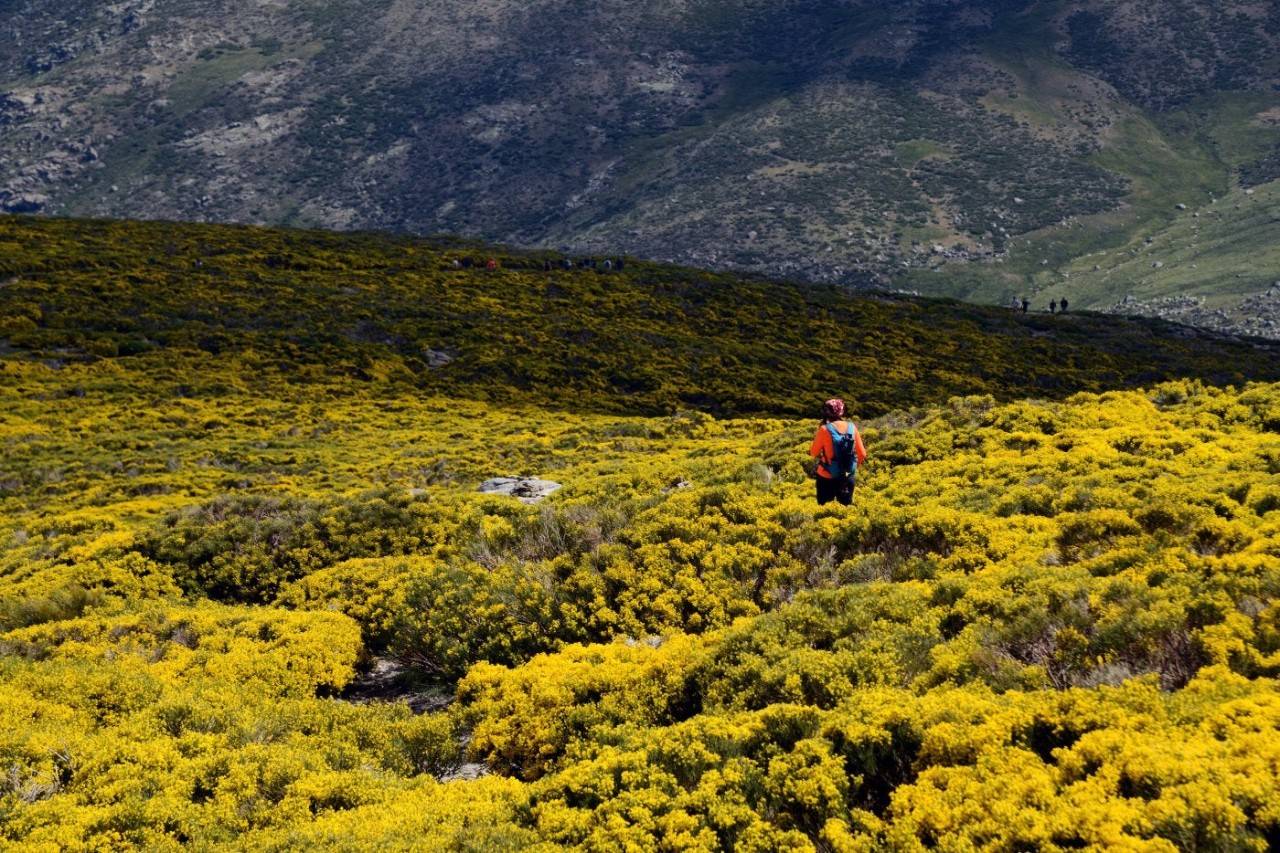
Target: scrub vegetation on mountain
[[1030, 607], [301, 306], [1044, 624]]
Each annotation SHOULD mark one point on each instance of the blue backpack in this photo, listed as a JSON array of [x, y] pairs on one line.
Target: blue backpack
[[844, 462]]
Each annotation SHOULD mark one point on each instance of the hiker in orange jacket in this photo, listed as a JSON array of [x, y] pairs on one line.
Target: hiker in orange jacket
[[839, 451]]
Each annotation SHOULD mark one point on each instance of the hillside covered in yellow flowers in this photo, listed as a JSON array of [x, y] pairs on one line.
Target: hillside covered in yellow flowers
[[240, 467]]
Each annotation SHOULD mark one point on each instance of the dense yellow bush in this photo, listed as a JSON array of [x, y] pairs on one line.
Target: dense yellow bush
[[1043, 625]]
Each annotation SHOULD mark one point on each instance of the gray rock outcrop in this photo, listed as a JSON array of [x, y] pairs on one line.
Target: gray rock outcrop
[[526, 489], [437, 359]]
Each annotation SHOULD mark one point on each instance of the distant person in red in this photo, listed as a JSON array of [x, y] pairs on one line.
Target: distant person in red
[[839, 451], [491, 264]]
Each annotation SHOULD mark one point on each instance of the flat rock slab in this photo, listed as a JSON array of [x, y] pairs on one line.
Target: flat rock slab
[[529, 491], [437, 358]]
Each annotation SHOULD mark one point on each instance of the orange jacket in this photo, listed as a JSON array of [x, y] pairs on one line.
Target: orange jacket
[[823, 451]]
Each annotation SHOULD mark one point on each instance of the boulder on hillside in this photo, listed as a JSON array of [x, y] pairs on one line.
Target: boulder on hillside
[[437, 359], [22, 202], [526, 489]]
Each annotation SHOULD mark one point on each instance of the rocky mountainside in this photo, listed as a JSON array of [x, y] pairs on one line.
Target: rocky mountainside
[[850, 141]]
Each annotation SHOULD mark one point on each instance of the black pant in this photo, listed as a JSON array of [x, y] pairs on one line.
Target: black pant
[[835, 490]]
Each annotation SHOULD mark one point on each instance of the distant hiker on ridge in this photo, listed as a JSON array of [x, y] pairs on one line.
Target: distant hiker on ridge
[[1026, 305], [1062, 306], [839, 451], [1053, 306]]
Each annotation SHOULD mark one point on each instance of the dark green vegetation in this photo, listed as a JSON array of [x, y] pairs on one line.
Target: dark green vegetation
[[1164, 57], [855, 141], [308, 305]]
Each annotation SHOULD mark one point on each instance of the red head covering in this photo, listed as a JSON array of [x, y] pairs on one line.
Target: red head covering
[[833, 410]]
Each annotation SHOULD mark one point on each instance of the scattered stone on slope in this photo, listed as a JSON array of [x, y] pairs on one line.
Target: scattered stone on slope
[[1257, 315], [437, 358], [22, 202], [14, 106], [465, 773], [526, 489], [676, 485], [653, 641]]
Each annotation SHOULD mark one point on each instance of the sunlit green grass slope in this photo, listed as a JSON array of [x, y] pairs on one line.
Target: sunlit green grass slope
[[1201, 217]]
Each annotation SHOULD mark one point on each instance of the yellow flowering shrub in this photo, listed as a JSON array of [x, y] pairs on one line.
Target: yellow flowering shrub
[[228, 511]]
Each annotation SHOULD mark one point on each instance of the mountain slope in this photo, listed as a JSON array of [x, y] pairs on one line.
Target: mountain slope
[[649, 338], [1215, 267], [1211, 237], [254, 597], [834, 141]]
